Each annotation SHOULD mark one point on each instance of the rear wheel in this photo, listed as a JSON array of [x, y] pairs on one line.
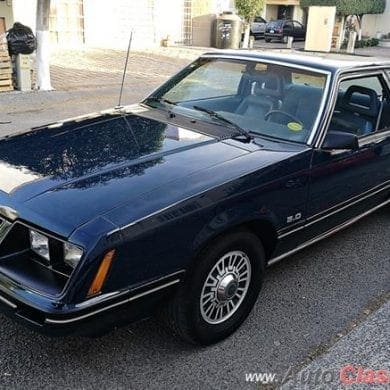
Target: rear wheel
[[220, 292], [267, 39]]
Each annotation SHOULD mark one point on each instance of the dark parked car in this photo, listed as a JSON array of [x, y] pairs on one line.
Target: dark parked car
[[282, 29], [180, 202]]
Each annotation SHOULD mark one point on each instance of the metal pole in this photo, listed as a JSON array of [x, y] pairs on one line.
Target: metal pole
[[124, 71]]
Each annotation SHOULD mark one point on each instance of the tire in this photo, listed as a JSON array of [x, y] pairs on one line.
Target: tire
[[197, 323], [267, 40]]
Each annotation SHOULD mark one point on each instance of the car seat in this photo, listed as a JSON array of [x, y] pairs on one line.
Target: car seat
[[267, 91], [358, 111]]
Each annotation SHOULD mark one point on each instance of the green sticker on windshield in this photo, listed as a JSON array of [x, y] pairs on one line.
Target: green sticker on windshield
[[294, 126]]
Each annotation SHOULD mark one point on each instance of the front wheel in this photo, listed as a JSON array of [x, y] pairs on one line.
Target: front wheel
[[221, 290], [267, 40]]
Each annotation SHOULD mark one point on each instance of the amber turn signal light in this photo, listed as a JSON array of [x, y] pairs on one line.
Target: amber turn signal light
[[101, 274]]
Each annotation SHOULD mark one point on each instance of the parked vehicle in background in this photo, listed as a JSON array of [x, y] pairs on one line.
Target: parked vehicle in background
[[282, 29], [258, 27]]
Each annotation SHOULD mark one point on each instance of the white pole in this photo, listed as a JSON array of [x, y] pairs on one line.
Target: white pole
[[43, 46], [351, 42]]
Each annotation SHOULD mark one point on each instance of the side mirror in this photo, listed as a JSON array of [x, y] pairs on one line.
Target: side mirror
[[340, 140]]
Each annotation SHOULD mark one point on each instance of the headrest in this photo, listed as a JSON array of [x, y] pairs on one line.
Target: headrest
[[268, 84], [368, 105]]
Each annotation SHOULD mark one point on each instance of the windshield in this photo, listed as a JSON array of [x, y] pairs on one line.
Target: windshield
[[275, 24], [271, 100]]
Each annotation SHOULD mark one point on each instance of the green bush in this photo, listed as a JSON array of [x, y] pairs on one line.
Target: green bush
[[369, 42], [350, 7]]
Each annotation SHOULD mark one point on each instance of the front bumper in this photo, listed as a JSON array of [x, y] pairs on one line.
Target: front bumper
[[89, 318], [273, 35]]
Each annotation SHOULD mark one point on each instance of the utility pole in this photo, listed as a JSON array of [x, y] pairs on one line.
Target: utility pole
[[43, 46]]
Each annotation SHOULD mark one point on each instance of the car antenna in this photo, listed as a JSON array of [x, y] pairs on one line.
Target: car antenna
[[119, 106]]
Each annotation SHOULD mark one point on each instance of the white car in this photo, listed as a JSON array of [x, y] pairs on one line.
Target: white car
[[258, 27]]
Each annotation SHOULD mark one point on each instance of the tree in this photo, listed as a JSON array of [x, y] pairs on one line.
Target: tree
[[248, 10], [43, 46], [357, 8]]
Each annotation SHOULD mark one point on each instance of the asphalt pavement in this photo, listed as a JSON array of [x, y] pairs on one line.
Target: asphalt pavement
[[310, 303], [361, 359]]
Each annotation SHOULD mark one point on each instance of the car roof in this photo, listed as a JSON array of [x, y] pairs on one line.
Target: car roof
[[332, 62]]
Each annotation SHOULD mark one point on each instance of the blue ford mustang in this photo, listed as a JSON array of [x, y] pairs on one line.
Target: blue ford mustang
[[179, 203]]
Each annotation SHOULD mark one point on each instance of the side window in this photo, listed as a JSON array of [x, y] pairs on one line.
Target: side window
[[297, 25], [362, 106], [259, 19]]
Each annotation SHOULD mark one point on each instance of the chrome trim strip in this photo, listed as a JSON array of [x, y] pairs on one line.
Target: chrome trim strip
[[7, 302], [110, 233], [344, 75], [116, 294], [9, 213], [264, 59], [385, 186], [316, 128], [118, 229], [326, 234], [133, 298]]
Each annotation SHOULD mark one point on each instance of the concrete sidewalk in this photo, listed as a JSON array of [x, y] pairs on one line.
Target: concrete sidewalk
[[361, 359], [95, 68]]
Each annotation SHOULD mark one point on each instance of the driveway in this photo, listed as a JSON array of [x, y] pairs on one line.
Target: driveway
[[309, 300]]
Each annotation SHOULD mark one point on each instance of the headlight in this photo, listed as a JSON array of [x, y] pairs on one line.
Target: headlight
[[40, 244], [72, 254]]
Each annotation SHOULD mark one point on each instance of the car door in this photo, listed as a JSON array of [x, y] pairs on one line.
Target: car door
[[299, 30], [288, 29], [347, 183]]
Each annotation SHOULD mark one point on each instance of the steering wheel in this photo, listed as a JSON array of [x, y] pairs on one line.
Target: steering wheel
[[286, 114]]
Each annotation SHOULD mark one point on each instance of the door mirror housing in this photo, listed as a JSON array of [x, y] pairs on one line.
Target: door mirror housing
[[340, 140]]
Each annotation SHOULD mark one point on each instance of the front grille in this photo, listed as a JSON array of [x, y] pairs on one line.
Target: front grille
[[21, 264]]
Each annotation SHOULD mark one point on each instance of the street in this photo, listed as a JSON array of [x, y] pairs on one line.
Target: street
[[308, 301]]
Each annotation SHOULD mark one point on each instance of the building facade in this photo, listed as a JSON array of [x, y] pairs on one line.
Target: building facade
[[284, 9], [101, 23], [6, 16]]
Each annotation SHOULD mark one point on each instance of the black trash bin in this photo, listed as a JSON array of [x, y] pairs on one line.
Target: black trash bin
[[227, 31]]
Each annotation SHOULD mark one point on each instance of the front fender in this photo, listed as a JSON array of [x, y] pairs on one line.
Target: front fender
[[227, 219]]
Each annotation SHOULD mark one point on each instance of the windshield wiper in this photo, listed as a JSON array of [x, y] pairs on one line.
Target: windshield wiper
[[221, 118], [160, 100]]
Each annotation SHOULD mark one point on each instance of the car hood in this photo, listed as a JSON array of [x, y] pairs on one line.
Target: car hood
[[117, 165], [63, 175]]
